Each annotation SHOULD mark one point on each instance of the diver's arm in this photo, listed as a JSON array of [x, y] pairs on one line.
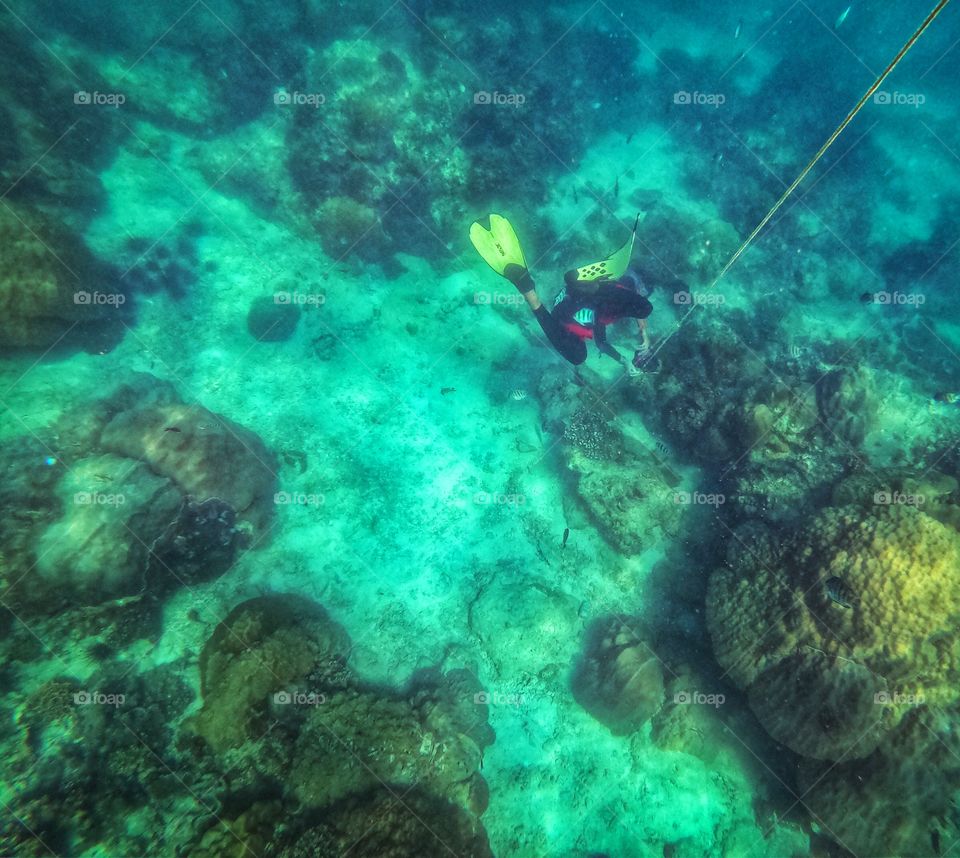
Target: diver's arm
[[644, 336], [600, 337]]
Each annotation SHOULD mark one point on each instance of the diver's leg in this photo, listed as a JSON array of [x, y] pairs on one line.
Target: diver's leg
[[570, 346]]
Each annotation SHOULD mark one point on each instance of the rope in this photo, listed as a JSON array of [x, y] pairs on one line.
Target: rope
[[803, 173]]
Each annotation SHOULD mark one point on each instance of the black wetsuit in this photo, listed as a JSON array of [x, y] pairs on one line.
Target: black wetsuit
[[578, 317]]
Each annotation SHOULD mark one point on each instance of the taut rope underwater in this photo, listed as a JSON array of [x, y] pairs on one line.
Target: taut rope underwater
[[803, 173]]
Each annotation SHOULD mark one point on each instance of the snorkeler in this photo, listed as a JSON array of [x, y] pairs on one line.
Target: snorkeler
[[593, 296]]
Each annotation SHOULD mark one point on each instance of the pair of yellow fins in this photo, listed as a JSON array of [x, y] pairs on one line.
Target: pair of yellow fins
[[499, 246]]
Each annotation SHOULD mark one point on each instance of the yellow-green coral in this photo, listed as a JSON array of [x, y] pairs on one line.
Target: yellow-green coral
[[897, 801], [896, 567]]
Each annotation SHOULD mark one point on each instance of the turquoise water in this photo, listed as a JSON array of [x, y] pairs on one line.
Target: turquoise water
[[313, 545]]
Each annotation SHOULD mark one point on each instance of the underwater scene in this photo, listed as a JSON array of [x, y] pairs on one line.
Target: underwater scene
[[528, 430]]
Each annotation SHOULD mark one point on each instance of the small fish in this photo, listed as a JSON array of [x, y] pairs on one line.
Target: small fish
[[566, 536], [866, 298], [661, 447], [946, 398], [839, 592], [629, 137], [518, 395], [842, 17], [576, 197], [172, 429], [445, 390], [616, 187], [736, 33]]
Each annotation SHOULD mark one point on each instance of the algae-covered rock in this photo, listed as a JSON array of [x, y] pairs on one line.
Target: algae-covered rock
[[50, 282], [393, 822], [271, 321], [434, 739]]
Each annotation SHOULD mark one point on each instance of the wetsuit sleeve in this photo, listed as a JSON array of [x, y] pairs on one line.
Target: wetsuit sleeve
[[600, 338]]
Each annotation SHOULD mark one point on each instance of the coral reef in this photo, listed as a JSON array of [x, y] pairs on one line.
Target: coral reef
[[678, 245], [853, 606], [619, 678], [144, 419], [358, 739], [401, 177], [393, 823], [847, 404], [96, 752], [279, 702], [264, 646], [900, 800], [146, 494], [169, 266], [99, 549], [621, 484]]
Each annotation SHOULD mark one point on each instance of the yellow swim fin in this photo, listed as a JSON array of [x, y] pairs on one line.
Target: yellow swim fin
[[614, 266], [499, 245]]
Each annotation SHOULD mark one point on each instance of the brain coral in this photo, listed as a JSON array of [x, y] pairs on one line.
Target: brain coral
[[898, 801], [857, 606], [204, 454], [619, 678], [262, 647]]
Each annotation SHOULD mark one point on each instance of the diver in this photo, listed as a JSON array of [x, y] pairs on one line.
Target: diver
[[593, 297]]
